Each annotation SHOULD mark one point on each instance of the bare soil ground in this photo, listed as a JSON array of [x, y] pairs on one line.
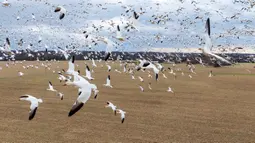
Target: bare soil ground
[[217, 109]]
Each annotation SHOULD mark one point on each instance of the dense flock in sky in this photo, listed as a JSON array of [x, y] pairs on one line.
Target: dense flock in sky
[[162, 24]]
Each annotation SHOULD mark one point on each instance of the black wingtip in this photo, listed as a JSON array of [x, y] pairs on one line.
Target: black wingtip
[[107, 56], [73, 59], [156, 77], [75, 108], [8, 41], [118, 27], [95, 97], [57, 9], [32, 115], [87, 67], [146, 64], [208, 26], [61, 16], [136, 16], [122, 121], [24, 96]]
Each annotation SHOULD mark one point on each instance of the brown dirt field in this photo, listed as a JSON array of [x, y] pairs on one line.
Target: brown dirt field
[[217, 109]]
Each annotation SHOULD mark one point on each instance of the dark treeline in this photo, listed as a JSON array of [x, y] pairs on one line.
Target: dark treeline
[[153, 56]]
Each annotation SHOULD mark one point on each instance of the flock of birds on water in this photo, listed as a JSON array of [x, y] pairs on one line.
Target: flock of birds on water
[[71, 77]]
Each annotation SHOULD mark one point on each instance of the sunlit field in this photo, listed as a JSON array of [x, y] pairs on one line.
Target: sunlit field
[[200, 109]]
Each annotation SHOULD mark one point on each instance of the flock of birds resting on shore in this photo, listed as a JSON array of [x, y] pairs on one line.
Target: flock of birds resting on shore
[[131, 25]]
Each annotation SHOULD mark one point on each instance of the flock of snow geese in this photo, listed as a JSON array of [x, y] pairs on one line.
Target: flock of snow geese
[[85, 88], [110, 45], [71, 77]]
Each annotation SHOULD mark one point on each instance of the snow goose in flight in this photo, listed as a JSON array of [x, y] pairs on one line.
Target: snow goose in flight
[[51, 87], [96, 93], [164, 76], [61, 95], [34, 104], [210, 74], [84, 93], [150, 86], [141, 79], [6, 3], [71, 66], [118, 34], [109, 68], [108, 82], [148, 65], [113, 107], [133, 21], [63, 51], [62, 11], [62, 77], [109, 47], [7, 46], [83, 96], [122, 115], [208, 45], [20, 73], [88, 73], [93, 63], [141, 88], [170, 90]]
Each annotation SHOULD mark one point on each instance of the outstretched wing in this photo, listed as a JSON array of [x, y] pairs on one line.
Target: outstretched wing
[[32, 113]]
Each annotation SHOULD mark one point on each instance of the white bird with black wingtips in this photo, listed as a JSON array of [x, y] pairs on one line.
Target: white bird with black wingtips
[[118, 34], [96, 93], [208, 45], [62, 77], [109, 47], [34, 104], [108, 82], [122, 115], [62, 11], [84, 93], [148, 65], [71, 66], [51, 87], [93, 63], [113, 107], [7, 46], [133, 21], [109, 68], [61, 95], [88, 73], [83, 97]]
